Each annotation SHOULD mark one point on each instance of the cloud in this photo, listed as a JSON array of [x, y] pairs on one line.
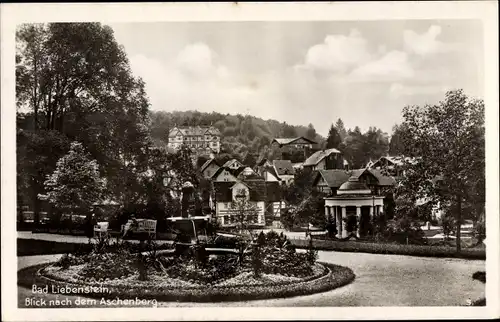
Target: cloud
[[392, 65], [424, 44], [398, 90], [337, 53]]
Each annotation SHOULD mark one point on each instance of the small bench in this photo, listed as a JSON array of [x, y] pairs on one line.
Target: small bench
[[147, 226]]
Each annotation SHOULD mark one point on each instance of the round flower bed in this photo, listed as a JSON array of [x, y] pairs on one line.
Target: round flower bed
[[271, 269], [243, 287]]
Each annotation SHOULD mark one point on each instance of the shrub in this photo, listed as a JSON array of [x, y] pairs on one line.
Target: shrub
[[108, 266], [396, 249], [480, 276]]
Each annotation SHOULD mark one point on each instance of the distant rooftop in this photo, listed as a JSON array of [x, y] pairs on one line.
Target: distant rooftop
[[297, 140]]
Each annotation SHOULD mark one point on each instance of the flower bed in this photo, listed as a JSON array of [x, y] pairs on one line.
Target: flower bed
[[394, 249], [266, 267], [330, 277]]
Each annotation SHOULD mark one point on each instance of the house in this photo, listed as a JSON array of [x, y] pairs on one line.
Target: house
[[284, 170], [209, 168], [325, 160], [274, 203], [232, 164], [202, 139], [227, 194], [356, 193], [299, 142], [392, 164], [329, 181], [294, 149], [224, 174], [265, 169]]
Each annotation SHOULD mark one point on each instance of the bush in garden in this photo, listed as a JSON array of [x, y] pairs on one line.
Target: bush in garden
[[312, 254], [102, 266], [351, 223], [480, 231], [216, 269], [405, 230], [65, 261], [447, 224]]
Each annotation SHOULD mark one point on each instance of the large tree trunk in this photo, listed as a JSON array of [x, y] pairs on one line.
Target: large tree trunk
[[459, 223]]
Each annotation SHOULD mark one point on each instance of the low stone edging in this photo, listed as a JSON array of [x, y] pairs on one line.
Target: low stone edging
[[335, 276]]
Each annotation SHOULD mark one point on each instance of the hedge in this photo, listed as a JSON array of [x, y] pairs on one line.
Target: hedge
[[29, 247], [393, 249], [335, 276]]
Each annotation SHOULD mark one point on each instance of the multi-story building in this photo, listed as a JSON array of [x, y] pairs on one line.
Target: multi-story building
[[202, 139]]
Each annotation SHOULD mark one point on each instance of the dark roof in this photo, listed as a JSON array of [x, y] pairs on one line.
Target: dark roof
[[194, 130], [353, 184], [234, 172], [257, 189], [262, 162], [383, 180], [252, 176], [283, 167], [317, 156], [286, 141], [206, 164], [334, 178]]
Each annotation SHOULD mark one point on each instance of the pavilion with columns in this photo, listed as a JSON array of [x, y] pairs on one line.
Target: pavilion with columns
[[353, 198]]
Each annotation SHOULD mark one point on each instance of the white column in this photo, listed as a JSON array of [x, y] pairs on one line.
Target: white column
[[358, 218], [327, 212], [338, 222], [371, 213], [344, 215]]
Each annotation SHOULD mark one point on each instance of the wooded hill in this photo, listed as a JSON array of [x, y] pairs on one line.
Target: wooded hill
[[241, 134]]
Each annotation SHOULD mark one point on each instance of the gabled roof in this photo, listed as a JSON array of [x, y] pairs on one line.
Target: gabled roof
[[283, 167], [286, 141], [317, 156], [257, 189], [334, 178], [229, 162], [383, 180], [207, 163], [396, 160], [263, 162], [194, 130]]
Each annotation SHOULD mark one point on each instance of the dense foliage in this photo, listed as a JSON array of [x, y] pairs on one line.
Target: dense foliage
[[74, 83], [447, 143]]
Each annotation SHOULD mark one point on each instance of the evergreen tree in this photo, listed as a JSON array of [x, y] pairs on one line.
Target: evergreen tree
[[333, 140]]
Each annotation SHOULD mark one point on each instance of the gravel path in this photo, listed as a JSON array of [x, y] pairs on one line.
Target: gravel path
[[381, 280]]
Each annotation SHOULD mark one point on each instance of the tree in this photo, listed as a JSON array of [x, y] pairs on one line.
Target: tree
[[448, 141], [339, 125], [249, 160], [76, 183], [311, 132], [301, 187], [244, 214], [74, 79], [333, 140], [396, 144]]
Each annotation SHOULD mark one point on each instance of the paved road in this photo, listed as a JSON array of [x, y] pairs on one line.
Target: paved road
[[381, 280]]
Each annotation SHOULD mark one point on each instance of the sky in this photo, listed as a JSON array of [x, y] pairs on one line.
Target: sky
[[363, 72]]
